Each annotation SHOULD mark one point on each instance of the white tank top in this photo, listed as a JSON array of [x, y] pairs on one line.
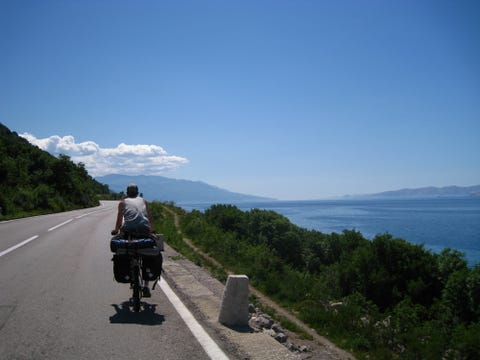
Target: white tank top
[[135, 215]]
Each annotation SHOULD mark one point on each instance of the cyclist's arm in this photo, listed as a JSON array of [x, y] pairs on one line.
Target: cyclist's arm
[[149, 215], [118, 224]]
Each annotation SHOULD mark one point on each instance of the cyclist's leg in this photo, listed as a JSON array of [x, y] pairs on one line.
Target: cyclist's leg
[[146, 289]]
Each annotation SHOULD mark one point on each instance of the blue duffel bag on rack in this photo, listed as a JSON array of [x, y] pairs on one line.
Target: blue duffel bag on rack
[[116, 244]]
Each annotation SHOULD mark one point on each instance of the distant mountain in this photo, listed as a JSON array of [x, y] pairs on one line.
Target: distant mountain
[[427, 192], [180, 191]]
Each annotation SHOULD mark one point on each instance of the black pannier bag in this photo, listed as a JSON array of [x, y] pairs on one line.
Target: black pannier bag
[[152, 266], [121, 268]]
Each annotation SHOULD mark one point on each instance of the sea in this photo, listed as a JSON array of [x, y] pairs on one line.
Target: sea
[[437, 223]]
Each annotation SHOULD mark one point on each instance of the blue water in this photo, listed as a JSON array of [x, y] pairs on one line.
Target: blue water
[[437, 223]]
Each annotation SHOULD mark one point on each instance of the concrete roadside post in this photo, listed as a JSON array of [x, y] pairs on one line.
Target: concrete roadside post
[[234, 308]]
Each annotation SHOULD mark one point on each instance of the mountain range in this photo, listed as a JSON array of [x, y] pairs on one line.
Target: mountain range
[[179, 191], [186, 191], [427, 192]]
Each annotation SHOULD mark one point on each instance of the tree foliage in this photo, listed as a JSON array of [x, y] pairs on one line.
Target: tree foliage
[[34, 181], [381, 298]]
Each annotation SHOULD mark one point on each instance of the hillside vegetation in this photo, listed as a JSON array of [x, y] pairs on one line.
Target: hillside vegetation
[[383, 298], [35, 182]]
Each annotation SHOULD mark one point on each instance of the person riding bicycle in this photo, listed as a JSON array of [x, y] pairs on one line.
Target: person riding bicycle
[[134, 218]]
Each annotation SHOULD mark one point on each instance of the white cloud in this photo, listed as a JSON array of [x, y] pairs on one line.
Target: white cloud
[[123, 159]]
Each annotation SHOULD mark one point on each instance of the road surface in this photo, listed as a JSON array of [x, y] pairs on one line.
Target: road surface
[[58, 299]]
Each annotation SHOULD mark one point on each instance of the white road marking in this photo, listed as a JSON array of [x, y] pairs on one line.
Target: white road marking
[[79, 217], [91, 212], [210, 347], [5, 252], [57, 226]]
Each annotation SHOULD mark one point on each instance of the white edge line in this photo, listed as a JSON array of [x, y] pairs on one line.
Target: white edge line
[[5, 252], [210, 346], [57, 226]]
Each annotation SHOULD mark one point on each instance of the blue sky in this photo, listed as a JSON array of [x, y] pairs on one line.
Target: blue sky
[[288, 99]]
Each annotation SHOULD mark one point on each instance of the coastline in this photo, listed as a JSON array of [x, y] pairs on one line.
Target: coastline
[[437, 223]]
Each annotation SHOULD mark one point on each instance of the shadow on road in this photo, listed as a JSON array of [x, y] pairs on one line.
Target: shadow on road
[[146, 316]]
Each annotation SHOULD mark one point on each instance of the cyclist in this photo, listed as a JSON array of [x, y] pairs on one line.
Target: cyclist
[[134, 218]]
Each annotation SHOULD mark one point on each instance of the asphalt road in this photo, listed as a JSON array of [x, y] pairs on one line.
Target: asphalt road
[[58, 299]]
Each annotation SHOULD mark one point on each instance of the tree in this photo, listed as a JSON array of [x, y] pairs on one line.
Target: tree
[[449, 261], [34, 181]]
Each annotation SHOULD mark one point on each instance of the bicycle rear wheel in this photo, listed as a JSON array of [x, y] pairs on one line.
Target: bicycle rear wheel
[[136, 289]]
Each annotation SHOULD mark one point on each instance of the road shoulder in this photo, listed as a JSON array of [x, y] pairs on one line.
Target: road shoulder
[[202, 294]]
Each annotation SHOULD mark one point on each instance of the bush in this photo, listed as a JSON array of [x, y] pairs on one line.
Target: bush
[[395, 299], [34, 181]]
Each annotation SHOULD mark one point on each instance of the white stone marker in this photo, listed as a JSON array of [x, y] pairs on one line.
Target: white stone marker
[[234, 309]]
